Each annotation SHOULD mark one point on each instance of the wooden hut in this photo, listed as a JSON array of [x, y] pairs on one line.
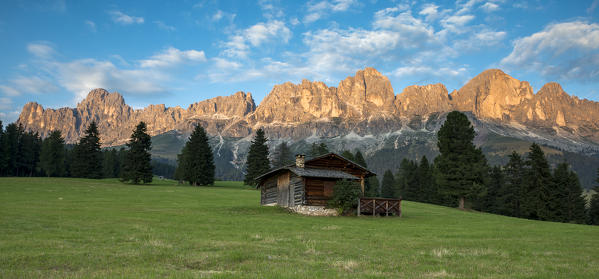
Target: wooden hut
[[308, 182]]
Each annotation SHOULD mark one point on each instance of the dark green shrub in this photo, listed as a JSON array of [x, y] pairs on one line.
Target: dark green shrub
[[345, 196]]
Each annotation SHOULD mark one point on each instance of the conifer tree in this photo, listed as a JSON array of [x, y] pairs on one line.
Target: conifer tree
[[512, 193], [3, 163], [593, 211], [29, 152], [87, 156], [196, 161], [318, 149], [461, 167], [373, 187], [388, 185], [52, 156], [407, 182], [257, 161], [424, 175], [282, 156], [111, 165], [493, 202], [10, 144], [348, 155], [137, 165], [537, 203], [359, 159], [575, 203]]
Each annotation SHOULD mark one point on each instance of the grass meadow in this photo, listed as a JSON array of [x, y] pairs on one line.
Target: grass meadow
[[79, 228]]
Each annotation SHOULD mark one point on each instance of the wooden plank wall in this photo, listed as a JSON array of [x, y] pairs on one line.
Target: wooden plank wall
[[296, 184], [319, 190], [269, 191]]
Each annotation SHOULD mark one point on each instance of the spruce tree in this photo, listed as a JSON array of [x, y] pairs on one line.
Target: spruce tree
[[10, 145], [512, 193], [461, 167], [87, 156], [373, 187], [537, 201], [348, 155], [282, 156], [359, 159], [52, 156], [2, 152], [257, 161], [424, 175], [407, 181], [196, 161], [137, 165], [111, 164], [388, 185], [575, 203], [593, 211], [29, 152], [493, 202]]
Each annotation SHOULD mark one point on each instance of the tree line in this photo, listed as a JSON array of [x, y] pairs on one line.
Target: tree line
[[25, 153]]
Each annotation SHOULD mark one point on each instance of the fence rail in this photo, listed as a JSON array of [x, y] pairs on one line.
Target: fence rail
[[381, 206]]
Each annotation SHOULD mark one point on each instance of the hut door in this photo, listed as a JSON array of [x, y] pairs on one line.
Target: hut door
[[283, 187]]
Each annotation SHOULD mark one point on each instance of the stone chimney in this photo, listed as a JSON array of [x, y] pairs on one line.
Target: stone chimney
[[300, 159]]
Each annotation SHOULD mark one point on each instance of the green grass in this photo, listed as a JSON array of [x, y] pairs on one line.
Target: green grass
[[102, 228]]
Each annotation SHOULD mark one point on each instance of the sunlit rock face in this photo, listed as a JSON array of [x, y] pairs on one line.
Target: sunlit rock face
[[363, 104]]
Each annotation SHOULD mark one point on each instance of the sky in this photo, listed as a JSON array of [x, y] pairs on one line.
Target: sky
[[179, 52]]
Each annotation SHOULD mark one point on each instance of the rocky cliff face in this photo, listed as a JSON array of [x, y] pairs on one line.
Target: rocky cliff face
[[116, 120], [363, 104]]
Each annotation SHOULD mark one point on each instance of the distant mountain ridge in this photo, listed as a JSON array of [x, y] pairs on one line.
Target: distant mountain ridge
[[363, 104]]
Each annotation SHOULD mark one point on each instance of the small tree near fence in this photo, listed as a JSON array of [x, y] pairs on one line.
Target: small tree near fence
[[345, 196]]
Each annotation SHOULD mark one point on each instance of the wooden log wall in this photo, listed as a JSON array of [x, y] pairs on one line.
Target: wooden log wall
[[269, 191], [319, 191], [296, 185]]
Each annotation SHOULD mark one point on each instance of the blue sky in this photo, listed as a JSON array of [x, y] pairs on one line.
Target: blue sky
[[181, 52]]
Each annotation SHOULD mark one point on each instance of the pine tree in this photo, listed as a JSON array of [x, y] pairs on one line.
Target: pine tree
[[3, 163], [359, 159], [196, 161], [87, 156], [424, 175], [318, 149], [257, 160], [137, 165], [388, 185], [52, 156], [537, 204], [493, 202], [512, 193], [10, 146], [559, 196], [111, 164], [283, 155], [29, 148], [461, 167], [575, 203], [348, 155], [407, 182], [373, 187]]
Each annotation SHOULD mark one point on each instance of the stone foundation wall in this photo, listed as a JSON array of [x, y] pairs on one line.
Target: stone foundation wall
[[314, 210]]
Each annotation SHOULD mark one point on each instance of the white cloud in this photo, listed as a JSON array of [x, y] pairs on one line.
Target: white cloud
[[164, 26], [9, 91], [263, 32], [41, 49], [568, 50], [34, 85], [81, 76], [490, 7], [270, 10], [172, 56], [91, 25], [456, 23], [5, 103], [226, 64], [120, 17], [256, 35], [320, 9], [593, 6], [443, 72], [484, 38]]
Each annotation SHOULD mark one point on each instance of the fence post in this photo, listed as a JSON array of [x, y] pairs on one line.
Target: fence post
[[373, 207], [358, 206]]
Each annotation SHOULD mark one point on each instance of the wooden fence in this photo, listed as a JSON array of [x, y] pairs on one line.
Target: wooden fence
[[374, 206]]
